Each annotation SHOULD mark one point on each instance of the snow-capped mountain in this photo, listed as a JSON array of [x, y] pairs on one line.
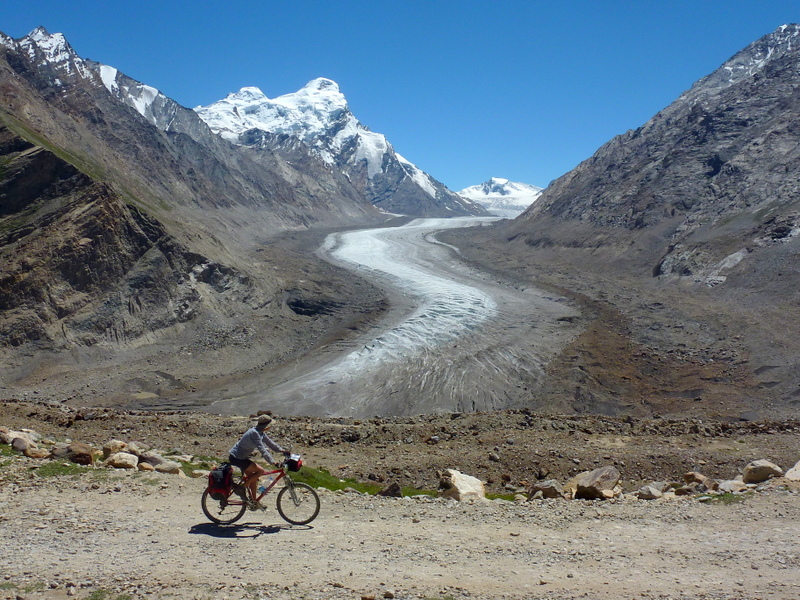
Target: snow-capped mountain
[[501, 197], [318, 115]]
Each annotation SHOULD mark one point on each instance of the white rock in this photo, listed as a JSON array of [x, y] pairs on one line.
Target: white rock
[[793, 474], [122, 460], [462, 487]]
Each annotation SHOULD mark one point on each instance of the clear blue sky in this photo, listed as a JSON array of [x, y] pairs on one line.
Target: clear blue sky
[[465, 89]]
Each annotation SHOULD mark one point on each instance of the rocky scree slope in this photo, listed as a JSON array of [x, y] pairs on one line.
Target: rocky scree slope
[[687, 230], [318, 117]]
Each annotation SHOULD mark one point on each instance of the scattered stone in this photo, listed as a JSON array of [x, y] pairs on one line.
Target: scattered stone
[[760, 470], [143, 466]]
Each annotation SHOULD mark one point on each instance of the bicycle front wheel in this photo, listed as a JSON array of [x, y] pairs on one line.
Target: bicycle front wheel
[[222, 511], [298, 503]]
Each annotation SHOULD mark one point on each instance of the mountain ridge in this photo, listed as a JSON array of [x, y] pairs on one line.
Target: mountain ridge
[[682, 236], [319, 116]]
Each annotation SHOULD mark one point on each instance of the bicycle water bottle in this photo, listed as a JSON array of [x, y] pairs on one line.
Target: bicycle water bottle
[[263, 487]]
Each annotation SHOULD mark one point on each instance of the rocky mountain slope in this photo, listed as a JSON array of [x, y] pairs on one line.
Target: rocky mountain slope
[[125, 222], [319, 117], [687, 230], [501, 197]]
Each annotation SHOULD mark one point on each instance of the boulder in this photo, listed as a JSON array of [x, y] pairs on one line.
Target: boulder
[[732, 486], [169, 466], [793, 474], [5, 435], [154, 458], [649, 492], [34, 452], [760, 470], [136, 448], [594, 485], [80, 453], [21, 444], [549, 488], [143, 466], [458, 486], [113, 447], [10, 435], [707, 483], [392, 490], [122, 460]]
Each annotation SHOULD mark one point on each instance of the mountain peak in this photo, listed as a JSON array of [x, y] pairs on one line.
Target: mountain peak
[[501, 196], [321, 84]]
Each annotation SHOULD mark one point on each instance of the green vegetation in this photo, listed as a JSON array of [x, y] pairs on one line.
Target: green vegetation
[[320, 478], [56, 468], [6, 450], [726, 498]]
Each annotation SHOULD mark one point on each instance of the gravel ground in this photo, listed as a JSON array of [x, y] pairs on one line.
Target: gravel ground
[[117, 535], [114, 534]]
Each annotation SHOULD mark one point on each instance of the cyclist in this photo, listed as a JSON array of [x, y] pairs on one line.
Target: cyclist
[[255, 438]]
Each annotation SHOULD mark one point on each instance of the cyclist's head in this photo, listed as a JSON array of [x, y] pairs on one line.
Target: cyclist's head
[[264, 421]]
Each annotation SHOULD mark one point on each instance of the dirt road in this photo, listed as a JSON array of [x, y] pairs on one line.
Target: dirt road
[[114, 535]]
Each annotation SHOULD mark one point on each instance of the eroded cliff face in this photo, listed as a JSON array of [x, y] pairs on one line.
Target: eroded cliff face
[[78, 265]]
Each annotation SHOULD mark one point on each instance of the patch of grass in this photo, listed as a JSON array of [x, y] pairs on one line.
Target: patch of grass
[[7, 585], [509, 497], [7, 450], [36, 586], [57, 468], [412, 491], [321, 478], [725, 499]]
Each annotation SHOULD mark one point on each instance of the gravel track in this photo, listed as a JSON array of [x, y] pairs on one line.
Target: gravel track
[[145, 536]]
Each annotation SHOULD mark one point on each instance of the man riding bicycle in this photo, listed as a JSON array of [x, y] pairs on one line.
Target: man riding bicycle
[[255, 438]]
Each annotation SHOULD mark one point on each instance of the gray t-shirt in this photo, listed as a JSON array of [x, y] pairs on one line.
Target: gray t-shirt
[[253, 440]]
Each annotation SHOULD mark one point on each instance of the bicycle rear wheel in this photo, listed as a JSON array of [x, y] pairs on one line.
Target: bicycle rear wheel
[[222, 511], [298, 503]]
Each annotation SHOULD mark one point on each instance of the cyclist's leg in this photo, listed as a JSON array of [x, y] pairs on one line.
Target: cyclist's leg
[[253, 473]]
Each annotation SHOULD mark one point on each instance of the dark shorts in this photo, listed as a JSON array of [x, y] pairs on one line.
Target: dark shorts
[[242, 463]]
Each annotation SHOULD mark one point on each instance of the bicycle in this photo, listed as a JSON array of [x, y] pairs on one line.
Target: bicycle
[[298, 503]]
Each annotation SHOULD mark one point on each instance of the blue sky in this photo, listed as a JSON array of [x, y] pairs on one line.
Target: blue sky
[[466, 90]]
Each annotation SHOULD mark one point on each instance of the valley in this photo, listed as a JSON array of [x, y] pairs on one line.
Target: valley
[[451, 340]]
